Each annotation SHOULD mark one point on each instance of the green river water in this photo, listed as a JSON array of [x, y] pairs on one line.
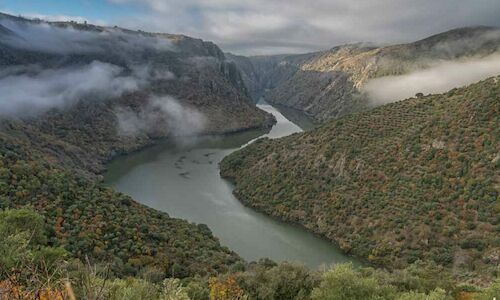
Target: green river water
[[182, 179]]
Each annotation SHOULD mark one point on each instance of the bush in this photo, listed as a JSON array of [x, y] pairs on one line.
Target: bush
[[444, 258], [14, 221], [471, 243], [492, 292], [342, 282], [27, 267], [437, 294]]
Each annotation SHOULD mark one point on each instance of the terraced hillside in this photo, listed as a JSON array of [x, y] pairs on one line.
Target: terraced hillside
[[414, 180]]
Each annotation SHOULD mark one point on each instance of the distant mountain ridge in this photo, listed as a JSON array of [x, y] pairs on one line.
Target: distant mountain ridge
[[329, 84]]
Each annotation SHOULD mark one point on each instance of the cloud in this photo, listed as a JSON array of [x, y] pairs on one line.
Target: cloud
[[439, 78], [27, 91], [148, 72], [267, 27], [48, 38], [160, 114], [61, 18]]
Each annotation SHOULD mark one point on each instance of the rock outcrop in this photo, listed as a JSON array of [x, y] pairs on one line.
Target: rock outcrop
[[329, 84]]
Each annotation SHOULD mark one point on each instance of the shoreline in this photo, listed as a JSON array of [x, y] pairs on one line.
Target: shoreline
[[362, 261], [158, 141]]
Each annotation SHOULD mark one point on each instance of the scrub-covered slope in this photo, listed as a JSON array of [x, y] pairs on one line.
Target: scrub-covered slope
[[414, 180], [98, 223], [75, 95]]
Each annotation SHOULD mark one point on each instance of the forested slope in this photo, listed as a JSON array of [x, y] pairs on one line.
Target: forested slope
[[413, 180], [90, 220], [60, 128]]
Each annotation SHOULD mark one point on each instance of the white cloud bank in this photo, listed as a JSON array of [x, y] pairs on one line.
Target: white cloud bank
[[180, 120], [48, 38], [27, 91], [286, 26], [60, 18], [437, 79]]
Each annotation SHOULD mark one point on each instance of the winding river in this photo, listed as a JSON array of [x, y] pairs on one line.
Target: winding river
[[182, 179]]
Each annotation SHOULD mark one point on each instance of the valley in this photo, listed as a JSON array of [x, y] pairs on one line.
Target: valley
[[182, 178], [408, 181], [332, 83], [150, 165]]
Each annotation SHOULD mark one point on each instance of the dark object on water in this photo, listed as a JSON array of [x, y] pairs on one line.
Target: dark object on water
[[185, 175]]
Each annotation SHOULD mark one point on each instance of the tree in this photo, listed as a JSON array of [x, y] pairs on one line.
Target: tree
[[25, 220], [225, 289], [437, 294]]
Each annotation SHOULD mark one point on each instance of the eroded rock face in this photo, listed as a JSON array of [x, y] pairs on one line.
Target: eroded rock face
[[329, 84]]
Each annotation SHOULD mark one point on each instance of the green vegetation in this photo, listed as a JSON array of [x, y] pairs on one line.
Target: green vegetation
[[412, 186], [30, 268], [413, 180], [52, 161], [90, 220], [59, 225]]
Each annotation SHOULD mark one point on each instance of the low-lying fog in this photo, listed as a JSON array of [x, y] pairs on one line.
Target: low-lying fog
[[439, 78]]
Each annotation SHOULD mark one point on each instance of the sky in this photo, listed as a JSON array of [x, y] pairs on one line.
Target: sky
[[258, 27]]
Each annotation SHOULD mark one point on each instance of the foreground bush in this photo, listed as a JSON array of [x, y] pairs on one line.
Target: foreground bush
[[343, 282]]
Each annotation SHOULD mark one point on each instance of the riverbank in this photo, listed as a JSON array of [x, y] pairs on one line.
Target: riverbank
[[183, 179], [391, 185], [267, 125]]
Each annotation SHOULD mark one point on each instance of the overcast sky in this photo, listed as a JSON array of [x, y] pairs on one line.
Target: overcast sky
[[275, 26]]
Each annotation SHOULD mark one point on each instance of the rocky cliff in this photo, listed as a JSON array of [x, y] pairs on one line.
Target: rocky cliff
[[329, 84], [160, 85]]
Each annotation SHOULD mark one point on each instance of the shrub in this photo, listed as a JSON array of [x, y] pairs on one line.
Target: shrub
[[471, 243], [437, 294], [342, 282], [492, 292]]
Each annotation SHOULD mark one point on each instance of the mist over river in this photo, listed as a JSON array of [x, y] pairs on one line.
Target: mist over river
[[182, 179]]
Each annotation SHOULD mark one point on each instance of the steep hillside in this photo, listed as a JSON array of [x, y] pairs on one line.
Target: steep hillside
[[166, 85], [95, 222], [414, 180], [329, 84], [76, 95], [262, 73]]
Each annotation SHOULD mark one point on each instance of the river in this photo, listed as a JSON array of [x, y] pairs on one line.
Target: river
[[182, 179]]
